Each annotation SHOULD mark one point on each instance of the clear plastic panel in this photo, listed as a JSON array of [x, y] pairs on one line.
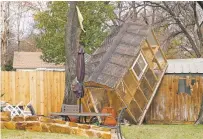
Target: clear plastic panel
[[151, 39], [160, 58]]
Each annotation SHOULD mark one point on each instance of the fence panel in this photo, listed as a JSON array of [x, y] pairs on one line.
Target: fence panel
[[170, 107], [44, 89]]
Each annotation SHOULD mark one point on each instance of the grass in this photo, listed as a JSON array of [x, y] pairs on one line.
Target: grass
[[129, 132], [19, 134], [163, 132]]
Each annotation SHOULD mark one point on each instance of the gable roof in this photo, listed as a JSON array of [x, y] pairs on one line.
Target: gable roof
[[111, 61], [32, 60], [192, 65]]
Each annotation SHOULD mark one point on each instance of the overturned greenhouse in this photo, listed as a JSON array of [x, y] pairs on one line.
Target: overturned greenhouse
[[125, 71]]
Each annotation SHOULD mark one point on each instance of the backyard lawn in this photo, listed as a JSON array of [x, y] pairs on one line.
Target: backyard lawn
[[129, 132], [19, 134], [163, 132]]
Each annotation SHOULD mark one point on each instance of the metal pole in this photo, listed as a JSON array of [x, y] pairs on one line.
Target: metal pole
[[80, 105], [79, 108]]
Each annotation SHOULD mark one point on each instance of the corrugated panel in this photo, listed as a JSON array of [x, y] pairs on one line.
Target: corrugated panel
[[193, 65], [194, 68], [200, 68], [186, 68], [178, 68]]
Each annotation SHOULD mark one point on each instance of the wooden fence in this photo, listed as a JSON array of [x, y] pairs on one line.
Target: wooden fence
[[171, 107], [44, 89]]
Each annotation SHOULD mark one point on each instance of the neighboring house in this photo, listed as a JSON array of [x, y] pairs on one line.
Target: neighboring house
[[28, 61], [178, 100], [125, 71]]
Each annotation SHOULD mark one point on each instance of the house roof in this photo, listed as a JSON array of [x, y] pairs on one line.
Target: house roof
[[110, 62], [193, 65], [32, 60]]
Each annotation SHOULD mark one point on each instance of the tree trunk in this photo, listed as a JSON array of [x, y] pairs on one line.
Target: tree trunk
[[72, 34], [199, 33], [200, 118], [4, 32], [201, 4]]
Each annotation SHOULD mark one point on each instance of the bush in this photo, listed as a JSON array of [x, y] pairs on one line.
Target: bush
[[8, 66]]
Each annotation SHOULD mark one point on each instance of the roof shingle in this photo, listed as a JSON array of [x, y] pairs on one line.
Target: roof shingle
[[31, 60], [112, 60]]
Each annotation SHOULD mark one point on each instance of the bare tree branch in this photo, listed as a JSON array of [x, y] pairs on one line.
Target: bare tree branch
[[197, 52]]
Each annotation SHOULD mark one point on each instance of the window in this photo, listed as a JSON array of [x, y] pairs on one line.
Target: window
[[183, 87], [185, 84], [139, 66]]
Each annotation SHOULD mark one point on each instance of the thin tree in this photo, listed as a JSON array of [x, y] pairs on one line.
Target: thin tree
[[5, 31], [200, 118], [11, 32]]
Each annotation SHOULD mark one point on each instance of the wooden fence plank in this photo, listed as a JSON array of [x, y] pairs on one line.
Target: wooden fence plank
[[58, 95], [45, 88], [62, 86], [1, 82], [48, 92], [13, 89], [22, 87], [2, 86], [17, 88], [6, 87], [20, 95], [27, 88], [37, 94], [52, 92], [41, 93], [31, 88], [10, 86]]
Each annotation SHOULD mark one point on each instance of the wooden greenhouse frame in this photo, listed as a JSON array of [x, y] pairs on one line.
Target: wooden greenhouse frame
[[116, 82]]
